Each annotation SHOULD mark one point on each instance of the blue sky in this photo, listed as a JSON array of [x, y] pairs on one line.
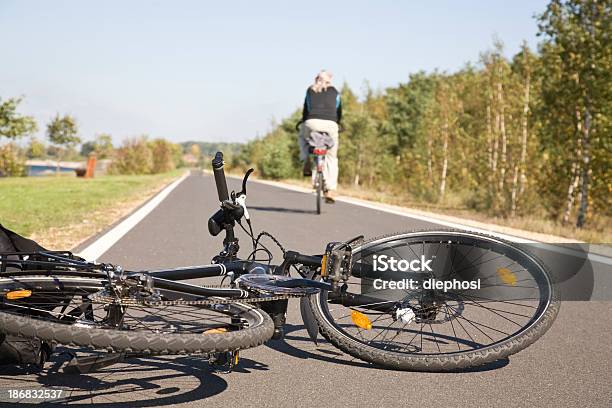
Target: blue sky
[[222, 71]]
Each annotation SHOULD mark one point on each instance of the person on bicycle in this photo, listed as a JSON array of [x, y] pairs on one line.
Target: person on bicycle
[[322, 112]]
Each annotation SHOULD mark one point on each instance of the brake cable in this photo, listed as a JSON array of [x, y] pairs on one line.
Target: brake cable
[[264, 233]]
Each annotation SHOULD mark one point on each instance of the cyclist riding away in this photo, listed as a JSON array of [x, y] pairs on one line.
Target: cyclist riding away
[[322, 113]]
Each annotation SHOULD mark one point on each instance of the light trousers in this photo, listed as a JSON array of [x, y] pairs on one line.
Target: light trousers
[[330, 170]]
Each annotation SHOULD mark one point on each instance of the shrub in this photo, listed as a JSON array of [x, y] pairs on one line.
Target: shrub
[[276, 161], [163, 155], [12, 162], [134, 157]]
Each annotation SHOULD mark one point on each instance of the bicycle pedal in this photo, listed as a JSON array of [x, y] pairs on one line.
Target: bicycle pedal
[[224, 362], [279, 334]]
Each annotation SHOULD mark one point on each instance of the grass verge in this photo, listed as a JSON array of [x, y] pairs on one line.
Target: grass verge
[[61, 212]]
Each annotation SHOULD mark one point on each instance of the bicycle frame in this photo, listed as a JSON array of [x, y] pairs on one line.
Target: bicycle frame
[[319, 155]]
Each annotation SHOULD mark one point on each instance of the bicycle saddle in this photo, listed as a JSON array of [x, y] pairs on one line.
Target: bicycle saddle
[[320, 139]]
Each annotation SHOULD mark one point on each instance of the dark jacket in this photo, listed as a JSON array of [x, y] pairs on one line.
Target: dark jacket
[[322, 105]]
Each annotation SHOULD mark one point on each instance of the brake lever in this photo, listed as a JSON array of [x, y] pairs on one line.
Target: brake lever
[[244, 181], [241, 201], [240, 198]]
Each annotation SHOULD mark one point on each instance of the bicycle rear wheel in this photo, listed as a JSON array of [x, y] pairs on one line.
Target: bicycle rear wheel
[[319, 184], [432, 330], [59, 309]]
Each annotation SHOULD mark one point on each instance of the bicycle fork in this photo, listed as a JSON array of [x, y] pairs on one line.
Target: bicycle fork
[[319, 164]]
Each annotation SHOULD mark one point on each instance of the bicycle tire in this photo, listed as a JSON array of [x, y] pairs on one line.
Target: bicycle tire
[[260, 327], [437, 362], [319, 191]]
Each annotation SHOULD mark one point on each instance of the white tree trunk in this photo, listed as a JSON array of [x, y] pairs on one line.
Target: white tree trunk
[[502, 130], [525, 133], [489, 135], [514, 198], [429, 157], [586, 166], [444, 160], [575, 178], [575, 171], [356, 180]]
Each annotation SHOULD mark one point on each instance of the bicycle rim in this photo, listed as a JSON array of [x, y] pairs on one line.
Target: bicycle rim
[[319, 191], [456, 324], [57, 308]]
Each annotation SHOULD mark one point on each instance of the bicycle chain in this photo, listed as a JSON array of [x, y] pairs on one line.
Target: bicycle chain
[[219, 301]]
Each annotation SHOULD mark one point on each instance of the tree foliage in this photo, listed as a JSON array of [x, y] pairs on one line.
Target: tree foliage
[[102, 146], [36, 149], [142, 156], [12, 127], [163, 156], [12, 124], [11, 160], [576, 105], [133, 157], [63, 131]]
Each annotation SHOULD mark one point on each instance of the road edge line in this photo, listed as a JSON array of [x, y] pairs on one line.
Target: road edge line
[[97, 248]]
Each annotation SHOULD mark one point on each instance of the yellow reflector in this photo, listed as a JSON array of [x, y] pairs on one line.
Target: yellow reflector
[[219, 330], [324, 265], [236, 358], [361, 320], [18, 294], [507, 276]]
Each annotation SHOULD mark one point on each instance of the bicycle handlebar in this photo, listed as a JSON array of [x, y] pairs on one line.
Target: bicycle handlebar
[[340, 126], [219, 173], [308, 260], [231, 212]]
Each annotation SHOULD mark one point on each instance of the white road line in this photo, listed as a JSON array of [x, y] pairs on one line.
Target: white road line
[[106, 241], [368, 204], [381, 207]]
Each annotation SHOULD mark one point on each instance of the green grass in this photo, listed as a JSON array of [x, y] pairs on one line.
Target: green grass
[[29, 205]]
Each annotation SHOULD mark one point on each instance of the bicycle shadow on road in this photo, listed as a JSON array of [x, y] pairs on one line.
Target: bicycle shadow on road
[[338, 357], [138, 382], [283, 210]]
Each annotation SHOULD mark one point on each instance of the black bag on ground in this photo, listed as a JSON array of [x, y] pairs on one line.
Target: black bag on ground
[[18, 350], [15, 349], [12, 242]]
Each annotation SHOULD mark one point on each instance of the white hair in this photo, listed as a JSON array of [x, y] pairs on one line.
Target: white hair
[[322, 81]]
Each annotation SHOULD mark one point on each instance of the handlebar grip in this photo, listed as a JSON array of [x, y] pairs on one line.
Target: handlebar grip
[[295, 257], [309, 260], [217, 165]]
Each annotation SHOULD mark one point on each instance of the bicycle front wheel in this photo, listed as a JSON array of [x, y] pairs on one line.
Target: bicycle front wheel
[[60, 309], [319, 184], [440, 330]]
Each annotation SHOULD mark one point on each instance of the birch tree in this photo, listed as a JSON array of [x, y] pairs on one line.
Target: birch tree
[[578, 35]]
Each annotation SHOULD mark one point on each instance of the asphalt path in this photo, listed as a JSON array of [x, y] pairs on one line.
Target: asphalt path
[[569, 366]]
